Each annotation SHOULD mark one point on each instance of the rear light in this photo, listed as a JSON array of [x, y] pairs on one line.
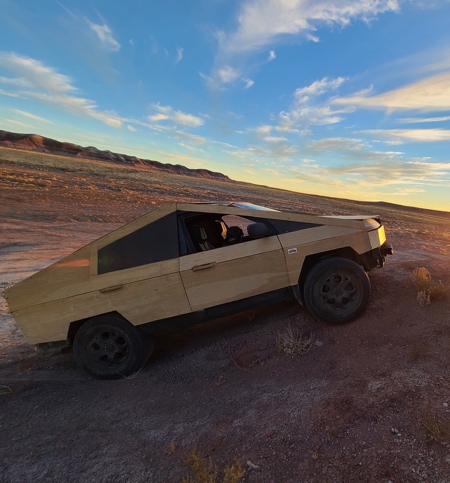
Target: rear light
[[371, 224]]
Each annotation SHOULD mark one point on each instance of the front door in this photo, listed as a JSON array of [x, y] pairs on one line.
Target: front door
[[229, 273]]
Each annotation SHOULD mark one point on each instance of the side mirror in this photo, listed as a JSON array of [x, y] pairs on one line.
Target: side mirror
[[258, 230]]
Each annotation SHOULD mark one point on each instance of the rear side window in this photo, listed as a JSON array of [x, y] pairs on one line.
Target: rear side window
[[155, 242]]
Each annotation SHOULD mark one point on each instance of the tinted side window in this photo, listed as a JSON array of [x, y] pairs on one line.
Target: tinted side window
[[154, 242]]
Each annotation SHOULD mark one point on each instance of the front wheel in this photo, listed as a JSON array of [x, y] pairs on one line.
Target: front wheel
[[337, 290], [109, 347]]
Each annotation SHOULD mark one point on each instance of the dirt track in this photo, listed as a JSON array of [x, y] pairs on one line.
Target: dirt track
[[369, 402]]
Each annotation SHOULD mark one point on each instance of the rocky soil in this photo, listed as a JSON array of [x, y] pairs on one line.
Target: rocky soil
[[363, 402]]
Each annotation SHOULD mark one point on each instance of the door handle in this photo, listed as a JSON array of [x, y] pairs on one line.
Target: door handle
[[203, 267], [111, 289]]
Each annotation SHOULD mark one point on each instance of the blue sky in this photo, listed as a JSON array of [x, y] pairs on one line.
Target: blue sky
[[346, 98]]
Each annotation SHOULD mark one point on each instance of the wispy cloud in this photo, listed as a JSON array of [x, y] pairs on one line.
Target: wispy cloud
[[179, 57], [264, 130], [275, 151], [32, 116], [11, 94], [349, 148], [168, 113], [225, 76], [265, 133], [44, 84], [313, 38], [275, 139], [304, 94], [260, 23], [412, 135], [363, 165], [228, 74], [419, 120], [308, 109], [272, 56], [430, 94], [105, 36], [191, 137], [16, 123]]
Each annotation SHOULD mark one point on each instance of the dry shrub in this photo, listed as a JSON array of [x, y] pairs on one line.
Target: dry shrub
[[428, 289], [294, 342], [423, 298], [436, 431], [204, 470], [233, 473]]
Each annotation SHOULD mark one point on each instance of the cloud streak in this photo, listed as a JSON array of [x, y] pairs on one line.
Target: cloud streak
[[261, 23], [307, 110], [45, 85], [430, 94], [168, 113], [362, 164], [399, 136], [105, 36]]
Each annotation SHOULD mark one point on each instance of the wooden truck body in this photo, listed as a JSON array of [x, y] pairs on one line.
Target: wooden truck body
[[179, 264]]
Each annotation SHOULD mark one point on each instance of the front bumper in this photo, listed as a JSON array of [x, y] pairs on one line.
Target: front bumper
[[376, 257], [387, 249], [381, 253]]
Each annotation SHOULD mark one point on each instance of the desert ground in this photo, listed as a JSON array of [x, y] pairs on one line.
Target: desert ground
[[223, 401]]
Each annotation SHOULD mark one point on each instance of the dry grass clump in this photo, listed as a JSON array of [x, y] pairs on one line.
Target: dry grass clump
[[293, 342], [436, 431], [428, 289], [204, 470]]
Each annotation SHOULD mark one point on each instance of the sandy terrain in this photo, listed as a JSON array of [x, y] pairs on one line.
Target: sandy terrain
[[369, 402]]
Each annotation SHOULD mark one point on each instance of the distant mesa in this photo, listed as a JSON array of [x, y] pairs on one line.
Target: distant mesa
[[34, 142]]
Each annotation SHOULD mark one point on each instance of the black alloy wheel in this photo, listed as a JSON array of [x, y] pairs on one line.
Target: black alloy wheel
[[337, 290], [109, 347]]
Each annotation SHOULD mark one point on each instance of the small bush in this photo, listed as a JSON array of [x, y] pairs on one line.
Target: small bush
[[436, 431], [423, 297], [204, 470], [293, 342], [428, 289]]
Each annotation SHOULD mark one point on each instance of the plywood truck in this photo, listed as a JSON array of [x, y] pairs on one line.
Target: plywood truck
[[188, 262]]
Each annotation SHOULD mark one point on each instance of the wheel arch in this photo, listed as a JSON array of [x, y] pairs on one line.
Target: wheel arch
[[76, 325], [311, 260]]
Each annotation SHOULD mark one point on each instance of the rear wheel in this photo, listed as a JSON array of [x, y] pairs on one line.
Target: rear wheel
[[337, 290], [109, 347]]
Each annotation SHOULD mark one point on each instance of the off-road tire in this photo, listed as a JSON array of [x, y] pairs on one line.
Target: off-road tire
[[336, 290], [109, 347]]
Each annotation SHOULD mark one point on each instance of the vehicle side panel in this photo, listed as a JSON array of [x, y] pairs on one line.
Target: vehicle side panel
[[139, 302], [52, 283], [298, 245], [231, 273], [73, 275], [47, 302]]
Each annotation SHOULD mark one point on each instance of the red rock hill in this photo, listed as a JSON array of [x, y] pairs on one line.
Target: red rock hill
[[34, 142]]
